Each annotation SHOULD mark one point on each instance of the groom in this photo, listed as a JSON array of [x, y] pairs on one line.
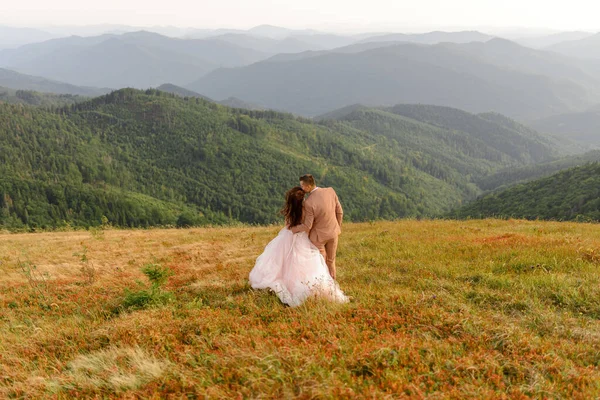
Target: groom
[[322, 219]]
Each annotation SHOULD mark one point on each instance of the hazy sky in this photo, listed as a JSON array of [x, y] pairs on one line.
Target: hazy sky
[[398, 15]]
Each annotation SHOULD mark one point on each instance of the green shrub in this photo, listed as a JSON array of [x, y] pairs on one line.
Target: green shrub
[[155, 295]]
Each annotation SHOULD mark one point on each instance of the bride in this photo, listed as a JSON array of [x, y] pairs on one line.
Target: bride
[[291, 265]]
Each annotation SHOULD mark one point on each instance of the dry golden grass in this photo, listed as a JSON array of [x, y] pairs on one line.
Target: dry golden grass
[[440, 309]]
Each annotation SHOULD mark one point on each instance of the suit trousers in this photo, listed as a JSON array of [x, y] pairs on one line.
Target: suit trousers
[[328, 249]]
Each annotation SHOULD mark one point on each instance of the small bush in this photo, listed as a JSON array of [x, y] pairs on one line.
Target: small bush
[[157, 274], [155, 296]]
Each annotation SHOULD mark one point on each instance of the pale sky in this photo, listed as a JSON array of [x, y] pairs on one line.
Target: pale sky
[[331, 15]]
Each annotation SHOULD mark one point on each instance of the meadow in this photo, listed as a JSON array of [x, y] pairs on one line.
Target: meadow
[[440, 309]]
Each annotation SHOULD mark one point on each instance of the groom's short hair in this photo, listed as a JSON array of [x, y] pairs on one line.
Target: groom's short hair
[[308, 179]]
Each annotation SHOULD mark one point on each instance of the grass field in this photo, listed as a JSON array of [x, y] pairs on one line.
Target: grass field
[[440, 309]]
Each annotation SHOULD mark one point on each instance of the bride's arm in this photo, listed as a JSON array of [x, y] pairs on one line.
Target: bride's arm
[[307, 222]]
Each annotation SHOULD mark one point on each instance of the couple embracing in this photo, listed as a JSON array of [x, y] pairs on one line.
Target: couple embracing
[[300, 261]]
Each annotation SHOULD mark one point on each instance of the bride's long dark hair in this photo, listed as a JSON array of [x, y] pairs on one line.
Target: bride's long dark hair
[[292, 209]]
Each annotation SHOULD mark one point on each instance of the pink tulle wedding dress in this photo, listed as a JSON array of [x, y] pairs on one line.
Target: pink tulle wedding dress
[[295, 270]]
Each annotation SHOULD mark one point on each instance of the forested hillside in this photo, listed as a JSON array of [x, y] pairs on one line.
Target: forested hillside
[[510, 176], [153, 158], [37, 99], [572, 194]]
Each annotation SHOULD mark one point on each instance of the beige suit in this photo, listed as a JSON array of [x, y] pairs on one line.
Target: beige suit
[[322, 219]]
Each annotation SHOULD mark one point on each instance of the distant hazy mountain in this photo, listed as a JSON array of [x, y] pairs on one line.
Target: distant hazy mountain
[[511, 55], [583, 127], [270, 31], [234, 102], [325, 41], [115, 63], [229, 102], [405, 73], [117, 29], [179, 91], [28, 54], [538, 42], [588, 47], [287, 41], [263, 31], [138, 59], [214, 51], [14, 37], [350, 49], [267, 45], [171, 31], [565, 145], [91, 30], [342, 113], [431, 37], [315, 40], [208, 33], [294, 45], [500, 52], [16, 81], [278, 32]]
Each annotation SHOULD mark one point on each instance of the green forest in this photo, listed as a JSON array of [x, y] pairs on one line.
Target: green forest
[[37, 98], [507, 177], [569, 195], [149, 158]]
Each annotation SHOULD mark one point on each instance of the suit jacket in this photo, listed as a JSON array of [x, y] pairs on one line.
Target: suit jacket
[[322, 216]]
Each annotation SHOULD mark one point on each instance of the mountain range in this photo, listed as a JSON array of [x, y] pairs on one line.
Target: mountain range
[[473, 77], [230, 102], [430, 37], [545, 41], [139, 59], [309, 73], [146, 59], [11, 37], [155, 158], [403, 125], [586, 47], [583, 127], [16, 81]]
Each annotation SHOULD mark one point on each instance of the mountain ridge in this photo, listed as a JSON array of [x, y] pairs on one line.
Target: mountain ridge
[[207, 163], [572, 194], [18, 81], [403, 73]]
